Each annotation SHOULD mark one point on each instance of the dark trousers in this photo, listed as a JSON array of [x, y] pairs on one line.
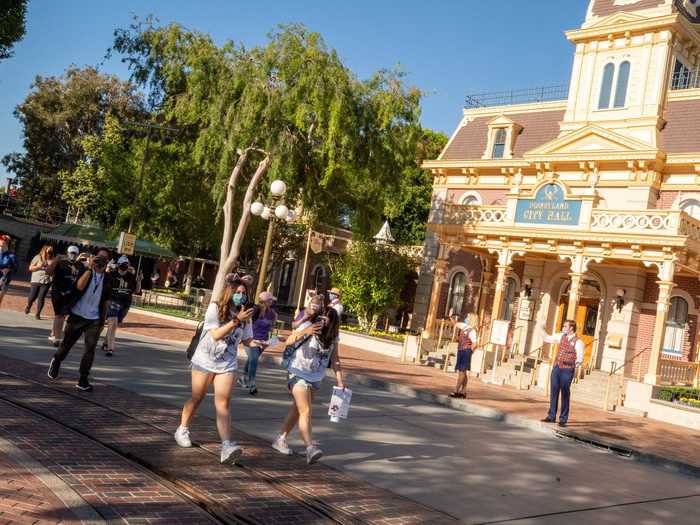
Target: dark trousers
[[560, 382], [75, 327], [37, 293]]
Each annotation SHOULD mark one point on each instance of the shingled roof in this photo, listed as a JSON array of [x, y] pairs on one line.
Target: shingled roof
[[682, 131], [538, 128]]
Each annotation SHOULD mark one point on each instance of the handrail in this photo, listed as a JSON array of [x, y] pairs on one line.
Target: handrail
[[613, 371]]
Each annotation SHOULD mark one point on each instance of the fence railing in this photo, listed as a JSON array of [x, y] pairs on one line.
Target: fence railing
[[191, 306], [679, 372], [685, 80], [518, 96]]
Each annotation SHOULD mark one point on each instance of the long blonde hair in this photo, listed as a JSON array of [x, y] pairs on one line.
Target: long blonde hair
[[473, 320], [43, 252]]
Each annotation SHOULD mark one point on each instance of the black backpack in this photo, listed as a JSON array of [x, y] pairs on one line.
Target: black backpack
[[195, 341]]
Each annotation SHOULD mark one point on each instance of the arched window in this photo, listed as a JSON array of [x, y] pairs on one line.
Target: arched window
[[469, 200], [691, 207], [623, 80], [455, 298], [675, 326], [606, 86], [499, 143], [508, 300]]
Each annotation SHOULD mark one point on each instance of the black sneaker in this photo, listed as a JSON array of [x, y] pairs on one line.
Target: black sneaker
[[84, 385], [109, 353], [104, 348], [54, 367], [253, 390]]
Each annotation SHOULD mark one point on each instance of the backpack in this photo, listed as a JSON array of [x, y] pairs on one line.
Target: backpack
[[195, 341]]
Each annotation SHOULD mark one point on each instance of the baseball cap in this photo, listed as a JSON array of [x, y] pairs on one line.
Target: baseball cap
[[73, 249], [123, 260]]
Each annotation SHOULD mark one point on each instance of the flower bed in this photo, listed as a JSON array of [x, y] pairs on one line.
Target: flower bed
[[374, 333], [683, 396]]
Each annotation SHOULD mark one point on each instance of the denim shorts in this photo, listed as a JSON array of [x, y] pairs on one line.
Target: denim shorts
[[295, 380], [198, 368]]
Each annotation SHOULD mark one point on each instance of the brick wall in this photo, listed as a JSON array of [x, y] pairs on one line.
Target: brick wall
[[645, 332]]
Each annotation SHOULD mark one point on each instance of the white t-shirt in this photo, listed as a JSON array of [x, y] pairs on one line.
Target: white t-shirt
[[88, 307], [306, 362], [227, 347]]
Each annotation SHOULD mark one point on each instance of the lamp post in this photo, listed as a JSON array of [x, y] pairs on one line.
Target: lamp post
[[273, 209]]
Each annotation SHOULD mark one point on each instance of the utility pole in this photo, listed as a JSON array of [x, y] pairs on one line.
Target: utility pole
[[150, 126]]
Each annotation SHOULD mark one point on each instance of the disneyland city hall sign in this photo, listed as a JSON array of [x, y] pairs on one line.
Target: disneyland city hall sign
[[549, 206]]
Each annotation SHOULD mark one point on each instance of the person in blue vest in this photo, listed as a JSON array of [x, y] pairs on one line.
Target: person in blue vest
[[570, 356], [8, 265], [466, 344]]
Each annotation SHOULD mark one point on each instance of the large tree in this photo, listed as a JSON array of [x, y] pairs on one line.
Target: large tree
[[57, 116], [12, 16], [290, 107]]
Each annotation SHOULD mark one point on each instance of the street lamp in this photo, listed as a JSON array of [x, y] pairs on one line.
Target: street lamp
[[273, 209]]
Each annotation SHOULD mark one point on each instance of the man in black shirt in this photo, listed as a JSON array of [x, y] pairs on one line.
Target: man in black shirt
[[123, 288], [65, 271]]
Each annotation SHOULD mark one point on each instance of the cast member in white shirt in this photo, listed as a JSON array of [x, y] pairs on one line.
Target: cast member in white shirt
[[569, 356]]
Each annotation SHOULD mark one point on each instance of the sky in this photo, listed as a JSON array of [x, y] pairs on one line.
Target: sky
[[448, 48]]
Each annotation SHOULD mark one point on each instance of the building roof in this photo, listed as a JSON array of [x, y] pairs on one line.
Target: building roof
[[682, 131], [538, 128], [96, 237], [609, 7]]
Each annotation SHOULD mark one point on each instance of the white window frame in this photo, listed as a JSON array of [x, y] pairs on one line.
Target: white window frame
[[613, 88], [470, 194], [512, 131]]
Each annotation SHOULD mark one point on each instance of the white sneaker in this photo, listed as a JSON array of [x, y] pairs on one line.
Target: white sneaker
[[313, 454], [242, 382], [280, 445], [230, 452], [182, 437]]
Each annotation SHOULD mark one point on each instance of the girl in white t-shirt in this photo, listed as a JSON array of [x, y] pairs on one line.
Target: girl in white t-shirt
[[226, 325], [307, 361]]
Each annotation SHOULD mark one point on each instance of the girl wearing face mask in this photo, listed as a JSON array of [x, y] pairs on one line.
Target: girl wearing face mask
[[226, 325], [123, 288], [307, 362], [40, 281]]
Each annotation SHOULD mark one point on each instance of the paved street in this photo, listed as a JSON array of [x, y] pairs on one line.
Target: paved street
[[472, 468]]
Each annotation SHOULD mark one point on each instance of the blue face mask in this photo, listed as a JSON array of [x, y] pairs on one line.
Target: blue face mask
[[239, 299]]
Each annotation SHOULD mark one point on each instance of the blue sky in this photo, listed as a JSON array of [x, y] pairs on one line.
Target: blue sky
[[448, 48]]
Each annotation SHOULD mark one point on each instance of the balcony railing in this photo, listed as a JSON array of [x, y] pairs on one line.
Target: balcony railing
[[518, 96], [685, 80], [651, 222]]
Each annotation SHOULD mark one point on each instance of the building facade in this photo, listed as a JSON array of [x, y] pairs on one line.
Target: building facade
[[582, 202]]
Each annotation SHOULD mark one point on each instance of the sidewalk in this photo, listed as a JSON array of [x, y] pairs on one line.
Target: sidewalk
[[648, 440]]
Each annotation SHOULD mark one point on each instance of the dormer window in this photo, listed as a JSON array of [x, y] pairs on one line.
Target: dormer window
[[618, 77], [499, 143], [501, 138]]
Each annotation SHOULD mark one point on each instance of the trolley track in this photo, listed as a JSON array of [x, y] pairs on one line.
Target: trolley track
[[217, 512]]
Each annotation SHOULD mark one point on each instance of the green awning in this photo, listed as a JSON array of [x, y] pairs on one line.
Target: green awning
[[94, 237]]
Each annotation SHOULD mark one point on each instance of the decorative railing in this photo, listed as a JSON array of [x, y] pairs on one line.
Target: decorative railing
[[469, 214], [678, 372], [634, 221], [685, 80], [518, 96], [651, 222]]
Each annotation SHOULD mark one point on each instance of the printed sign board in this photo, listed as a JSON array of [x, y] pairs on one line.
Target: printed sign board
[[127, 242], [499, 332], [550, 207], [525, 310]]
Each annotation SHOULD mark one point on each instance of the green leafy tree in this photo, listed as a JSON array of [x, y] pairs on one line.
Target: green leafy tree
[[372, 277], [408, 208], [12, 30], [57, 116], [337, 141]]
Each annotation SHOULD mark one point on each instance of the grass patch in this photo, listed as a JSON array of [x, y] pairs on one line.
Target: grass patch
[[175, 312]]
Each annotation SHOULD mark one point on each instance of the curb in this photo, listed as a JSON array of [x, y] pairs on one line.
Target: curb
[[671, 465]]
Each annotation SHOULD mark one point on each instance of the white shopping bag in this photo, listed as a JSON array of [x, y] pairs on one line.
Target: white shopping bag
[[340, 404]]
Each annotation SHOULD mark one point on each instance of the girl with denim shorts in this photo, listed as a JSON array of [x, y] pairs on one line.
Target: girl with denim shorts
[[226, 325], [306, 368]]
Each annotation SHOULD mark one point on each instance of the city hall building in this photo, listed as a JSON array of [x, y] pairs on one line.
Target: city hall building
[[582, 202]]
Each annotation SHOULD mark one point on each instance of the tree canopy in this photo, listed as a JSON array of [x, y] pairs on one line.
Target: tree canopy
[[12, 30]]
